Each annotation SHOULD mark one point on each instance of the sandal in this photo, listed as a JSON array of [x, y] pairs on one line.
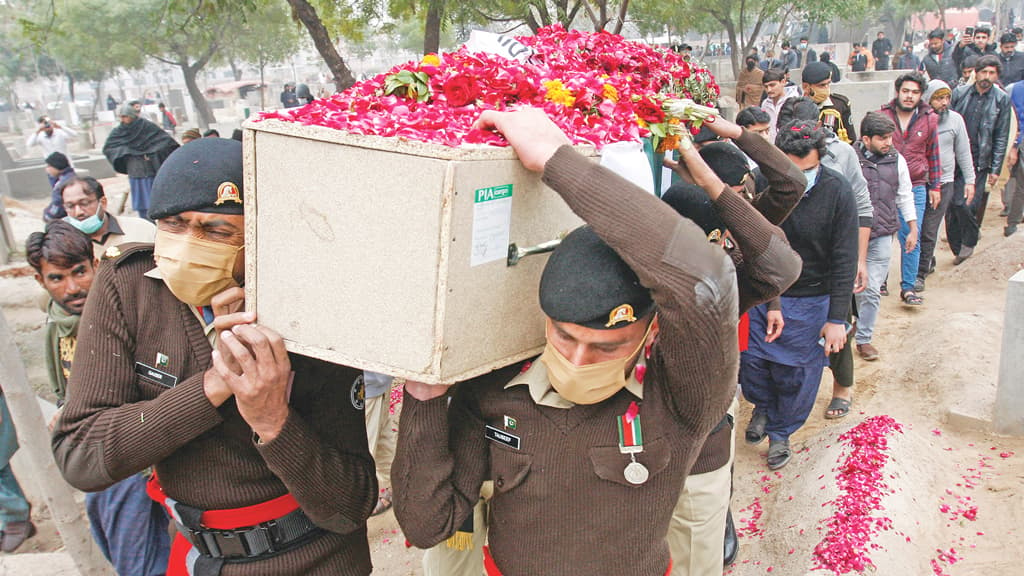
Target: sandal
[[755, 430], [778, 454], [883, 289], [910, 298], [841, 407], [383, 502]]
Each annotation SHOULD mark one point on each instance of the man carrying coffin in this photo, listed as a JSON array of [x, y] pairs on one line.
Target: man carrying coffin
[[588, 446], [259, 456]]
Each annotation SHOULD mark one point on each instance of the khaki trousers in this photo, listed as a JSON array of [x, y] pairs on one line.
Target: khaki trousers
[[444, 561], [381, 436], [696, 534]]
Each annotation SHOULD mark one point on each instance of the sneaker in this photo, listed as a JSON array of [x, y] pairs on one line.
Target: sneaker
[[1009, 230], [919, 284], [15, 534], [867, 352]]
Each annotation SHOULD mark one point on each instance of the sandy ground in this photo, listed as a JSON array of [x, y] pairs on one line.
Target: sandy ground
[[955, 491]]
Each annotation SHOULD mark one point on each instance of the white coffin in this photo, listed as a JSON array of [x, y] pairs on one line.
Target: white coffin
[[391, 255]]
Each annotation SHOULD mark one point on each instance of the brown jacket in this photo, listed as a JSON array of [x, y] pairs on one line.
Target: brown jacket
[[118, 421], [562, 504], [749, 87]]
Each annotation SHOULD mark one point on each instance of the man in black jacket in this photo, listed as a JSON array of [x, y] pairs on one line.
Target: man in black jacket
[[881, 49], [986, 110], [939, 63]]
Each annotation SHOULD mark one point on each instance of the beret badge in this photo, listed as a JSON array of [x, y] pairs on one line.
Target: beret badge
[[228, 192], [623, 313]]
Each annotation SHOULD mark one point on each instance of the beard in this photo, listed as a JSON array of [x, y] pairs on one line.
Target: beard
[[984, 84], [899, 104]]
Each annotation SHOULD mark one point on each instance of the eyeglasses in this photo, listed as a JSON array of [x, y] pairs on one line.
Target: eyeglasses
[[83, 204]]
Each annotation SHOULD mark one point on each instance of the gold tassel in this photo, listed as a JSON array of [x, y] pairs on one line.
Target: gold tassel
[[460, 541]]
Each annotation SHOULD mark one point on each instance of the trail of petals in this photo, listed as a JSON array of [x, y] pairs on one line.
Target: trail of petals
[[862, 486]]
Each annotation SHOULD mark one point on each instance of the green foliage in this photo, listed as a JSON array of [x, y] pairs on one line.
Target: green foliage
[[409, 84], [265, 36]]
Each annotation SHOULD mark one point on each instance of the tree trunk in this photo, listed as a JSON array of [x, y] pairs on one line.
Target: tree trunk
[[203, 110], [35, 440], [236, 72], [307, 15], [432, 28], [621, 18], [735, 48]]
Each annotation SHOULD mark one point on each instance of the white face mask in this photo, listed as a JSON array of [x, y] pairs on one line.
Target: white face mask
[[812, 177]]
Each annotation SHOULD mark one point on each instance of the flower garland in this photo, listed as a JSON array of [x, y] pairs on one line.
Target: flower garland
[[598, 87]]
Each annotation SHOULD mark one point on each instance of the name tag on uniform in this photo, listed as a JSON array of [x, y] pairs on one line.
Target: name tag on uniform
[[153, 375], [510, 440]]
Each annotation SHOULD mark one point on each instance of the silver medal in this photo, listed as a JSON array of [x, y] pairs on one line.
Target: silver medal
[[636, 473]]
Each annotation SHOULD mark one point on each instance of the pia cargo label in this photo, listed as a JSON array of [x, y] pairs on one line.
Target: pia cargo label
[[492, 224]]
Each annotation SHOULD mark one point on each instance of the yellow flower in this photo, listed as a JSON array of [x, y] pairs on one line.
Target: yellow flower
[[558, 93], [610, 93], [432, 60]]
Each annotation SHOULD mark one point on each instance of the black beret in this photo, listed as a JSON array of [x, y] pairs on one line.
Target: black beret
[[57, 160], [816, 72], [205, 176], [585, 282], [726, 161], [692, 202]]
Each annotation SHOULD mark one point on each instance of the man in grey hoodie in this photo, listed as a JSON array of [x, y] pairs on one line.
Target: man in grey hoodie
[[954, 153]]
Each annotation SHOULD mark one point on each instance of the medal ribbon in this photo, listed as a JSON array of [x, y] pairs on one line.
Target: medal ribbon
[[631, 437]]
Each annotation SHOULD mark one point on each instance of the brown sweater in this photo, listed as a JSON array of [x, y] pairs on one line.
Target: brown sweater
[[118, 422], [562, 505]]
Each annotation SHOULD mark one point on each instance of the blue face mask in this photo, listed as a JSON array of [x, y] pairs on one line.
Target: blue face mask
[[812, 178], [89, 225]]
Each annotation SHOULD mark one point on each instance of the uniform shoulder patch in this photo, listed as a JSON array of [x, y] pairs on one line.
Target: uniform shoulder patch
[[118, 255]]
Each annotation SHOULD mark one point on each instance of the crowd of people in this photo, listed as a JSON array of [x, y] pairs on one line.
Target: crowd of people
[[763, 265]]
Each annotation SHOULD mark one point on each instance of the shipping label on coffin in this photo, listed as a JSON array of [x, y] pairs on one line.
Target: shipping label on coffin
[[492, 224]]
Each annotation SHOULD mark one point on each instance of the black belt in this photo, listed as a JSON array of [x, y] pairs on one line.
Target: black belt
[[253, 542]]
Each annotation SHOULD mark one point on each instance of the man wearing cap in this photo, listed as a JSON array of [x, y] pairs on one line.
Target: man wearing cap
[[259, 456], [60, 171], [835, 108], [85, 203], [601, 431], [137, 147], [957, 163]]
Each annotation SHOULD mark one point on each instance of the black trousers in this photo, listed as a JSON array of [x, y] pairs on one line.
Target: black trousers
[[930, 228], [962, 224]]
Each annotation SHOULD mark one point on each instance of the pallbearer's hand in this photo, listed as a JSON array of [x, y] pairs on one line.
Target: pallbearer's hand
[[262, 388], [533, 135]]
